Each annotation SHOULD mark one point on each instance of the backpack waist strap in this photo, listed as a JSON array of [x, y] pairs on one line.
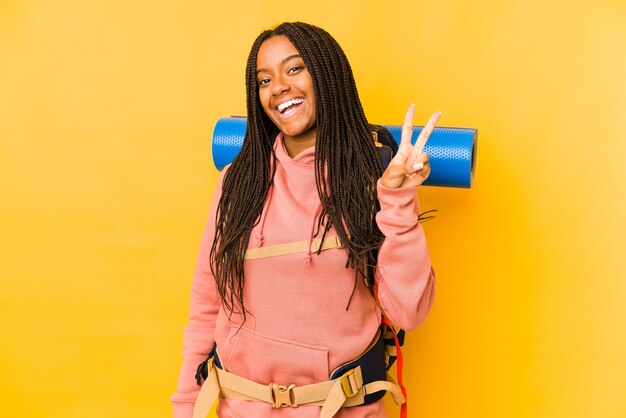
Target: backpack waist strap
[[351, 388]]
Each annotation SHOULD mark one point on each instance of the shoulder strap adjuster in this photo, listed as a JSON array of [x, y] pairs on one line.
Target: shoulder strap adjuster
[[352, 382]]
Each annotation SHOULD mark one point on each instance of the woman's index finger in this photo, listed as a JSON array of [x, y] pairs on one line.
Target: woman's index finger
[[407, 128], [425, 133]]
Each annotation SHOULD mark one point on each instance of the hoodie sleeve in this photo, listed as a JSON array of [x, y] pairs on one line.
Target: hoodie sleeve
[[198, 337], [404, 274]]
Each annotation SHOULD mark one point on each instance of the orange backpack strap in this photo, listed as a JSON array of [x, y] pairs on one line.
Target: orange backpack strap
[[390, 334]]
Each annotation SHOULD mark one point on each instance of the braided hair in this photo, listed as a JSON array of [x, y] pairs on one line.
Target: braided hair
[[347, 166]]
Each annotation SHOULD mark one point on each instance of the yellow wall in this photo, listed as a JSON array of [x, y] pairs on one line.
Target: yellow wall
[[106, 110]]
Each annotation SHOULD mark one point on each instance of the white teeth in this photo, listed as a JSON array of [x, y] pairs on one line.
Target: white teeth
[[283, 106]]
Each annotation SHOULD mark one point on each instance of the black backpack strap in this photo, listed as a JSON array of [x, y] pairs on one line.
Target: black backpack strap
[[203, 368], [385, 144]]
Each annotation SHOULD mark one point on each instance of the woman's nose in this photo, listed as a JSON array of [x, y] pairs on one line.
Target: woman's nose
[[280, 85]]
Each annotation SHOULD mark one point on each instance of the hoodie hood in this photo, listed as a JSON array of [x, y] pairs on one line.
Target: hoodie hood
[[294, 180]]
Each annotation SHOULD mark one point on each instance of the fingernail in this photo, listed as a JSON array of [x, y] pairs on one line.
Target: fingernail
[[417, 166]]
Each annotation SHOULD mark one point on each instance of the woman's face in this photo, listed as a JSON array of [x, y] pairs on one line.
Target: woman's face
[[286, 92]]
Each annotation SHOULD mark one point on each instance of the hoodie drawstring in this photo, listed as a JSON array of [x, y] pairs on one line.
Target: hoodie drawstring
[[259, 235], [308, 257]]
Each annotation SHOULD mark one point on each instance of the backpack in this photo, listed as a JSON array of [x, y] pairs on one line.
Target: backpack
[[386, 146]]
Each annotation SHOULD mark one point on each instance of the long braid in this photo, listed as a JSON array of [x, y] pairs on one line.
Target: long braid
[[244, 189], [343, 145], [346, 165]]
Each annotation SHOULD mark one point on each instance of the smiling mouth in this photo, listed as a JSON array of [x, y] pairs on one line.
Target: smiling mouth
[[282, 108]]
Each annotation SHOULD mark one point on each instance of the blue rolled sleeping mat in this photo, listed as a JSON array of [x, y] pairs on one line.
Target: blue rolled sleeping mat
[[452, 151]]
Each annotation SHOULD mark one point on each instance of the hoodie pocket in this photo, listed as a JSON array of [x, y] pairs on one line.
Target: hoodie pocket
[[265, 359]]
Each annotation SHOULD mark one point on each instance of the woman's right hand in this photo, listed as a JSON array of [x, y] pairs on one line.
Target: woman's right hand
[[410, 167]]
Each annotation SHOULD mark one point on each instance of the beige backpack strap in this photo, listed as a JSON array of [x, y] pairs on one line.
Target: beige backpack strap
[[293, 248], [390, 386], [345, 387], [279, 396], [209, 392]]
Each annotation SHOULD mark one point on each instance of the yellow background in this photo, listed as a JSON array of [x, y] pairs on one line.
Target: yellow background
[[106, 111]]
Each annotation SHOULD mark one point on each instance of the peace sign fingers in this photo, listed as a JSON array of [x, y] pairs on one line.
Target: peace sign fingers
[[405, 148], [416, 167], [410, 167]]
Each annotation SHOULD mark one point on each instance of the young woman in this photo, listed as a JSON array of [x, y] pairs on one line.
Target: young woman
[[300, 222]]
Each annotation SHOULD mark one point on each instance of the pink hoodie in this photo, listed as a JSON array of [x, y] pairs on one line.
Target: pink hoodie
[[298, 329]]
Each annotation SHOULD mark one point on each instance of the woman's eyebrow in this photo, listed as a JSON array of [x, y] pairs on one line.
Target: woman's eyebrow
[[283, 62]]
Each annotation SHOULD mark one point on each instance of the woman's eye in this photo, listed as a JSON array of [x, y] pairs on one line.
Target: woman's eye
[[263, 81], [293, 70]]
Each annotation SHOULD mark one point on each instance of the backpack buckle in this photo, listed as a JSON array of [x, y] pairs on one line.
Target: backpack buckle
[[283, 396]]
